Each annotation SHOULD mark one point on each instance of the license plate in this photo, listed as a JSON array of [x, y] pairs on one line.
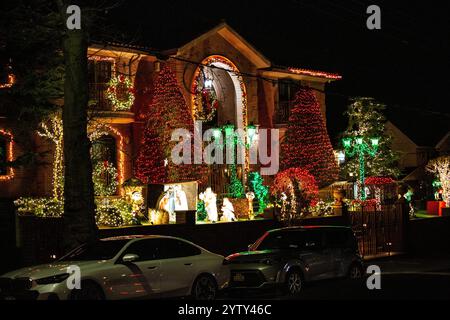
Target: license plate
[[239, 277], [10, 298]]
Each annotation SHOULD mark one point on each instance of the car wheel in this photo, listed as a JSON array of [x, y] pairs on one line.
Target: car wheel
[[294, 282], [204, 288], [355, 272], [89, 291]]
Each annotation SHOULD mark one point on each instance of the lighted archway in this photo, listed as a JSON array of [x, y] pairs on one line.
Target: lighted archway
[[226, 66], [224, 63], [99, 130]]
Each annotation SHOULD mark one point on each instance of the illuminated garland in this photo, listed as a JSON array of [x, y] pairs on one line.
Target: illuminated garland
[[114, 88], [100, 187], [314, 73], [9, 154]]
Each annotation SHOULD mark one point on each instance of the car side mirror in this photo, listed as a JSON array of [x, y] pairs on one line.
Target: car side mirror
[[130, 257]]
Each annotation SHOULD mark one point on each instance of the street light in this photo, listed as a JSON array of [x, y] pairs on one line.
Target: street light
[[361, 148]]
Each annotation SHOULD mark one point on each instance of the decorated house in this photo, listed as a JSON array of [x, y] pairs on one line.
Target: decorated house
[[139, 95]]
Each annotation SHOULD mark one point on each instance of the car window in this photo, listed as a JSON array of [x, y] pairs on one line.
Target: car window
[[98, 250], [146, 249], [282, 240], [173, 248], [337, 238], [313, 239]]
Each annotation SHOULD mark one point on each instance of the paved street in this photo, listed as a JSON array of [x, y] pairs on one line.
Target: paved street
[[402, 277]]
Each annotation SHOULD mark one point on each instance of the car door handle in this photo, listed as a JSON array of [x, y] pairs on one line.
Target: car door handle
[[188, 264], [152, 267]]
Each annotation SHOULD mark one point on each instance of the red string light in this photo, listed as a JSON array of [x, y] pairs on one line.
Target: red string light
[[306, 144], [378, 181], [168, 111]]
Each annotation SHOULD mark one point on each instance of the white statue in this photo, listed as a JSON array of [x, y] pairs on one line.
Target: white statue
[[181, 203], [209, 197], [227, 211]]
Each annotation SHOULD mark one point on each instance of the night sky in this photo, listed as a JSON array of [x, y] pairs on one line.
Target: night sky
[[404, 65]]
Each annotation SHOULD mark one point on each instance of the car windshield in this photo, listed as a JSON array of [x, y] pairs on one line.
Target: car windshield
[[279, 240], [99, 250]]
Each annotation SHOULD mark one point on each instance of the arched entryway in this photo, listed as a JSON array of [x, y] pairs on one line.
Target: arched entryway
[[219, 98]]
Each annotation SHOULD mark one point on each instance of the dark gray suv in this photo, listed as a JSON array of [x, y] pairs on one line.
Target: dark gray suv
[[288, 257]]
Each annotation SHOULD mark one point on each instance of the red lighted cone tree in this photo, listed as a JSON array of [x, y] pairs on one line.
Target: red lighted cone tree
[[167, 112], [306, 144]]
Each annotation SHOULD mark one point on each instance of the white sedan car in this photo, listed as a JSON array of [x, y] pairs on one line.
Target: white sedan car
[[129, 267]]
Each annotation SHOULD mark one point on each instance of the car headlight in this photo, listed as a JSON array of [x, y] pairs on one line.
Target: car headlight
[[53, 279]]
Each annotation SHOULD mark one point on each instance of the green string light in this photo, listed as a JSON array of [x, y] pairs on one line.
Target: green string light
[[361, 148]]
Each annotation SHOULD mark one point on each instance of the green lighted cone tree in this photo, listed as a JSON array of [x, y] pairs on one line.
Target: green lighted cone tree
[[261, 191], [307, 144], [366, 120]]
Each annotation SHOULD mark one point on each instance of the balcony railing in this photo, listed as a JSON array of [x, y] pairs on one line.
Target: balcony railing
[[97, 97]]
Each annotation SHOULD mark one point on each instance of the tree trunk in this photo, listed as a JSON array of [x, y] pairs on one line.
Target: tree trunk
[[79, 205]]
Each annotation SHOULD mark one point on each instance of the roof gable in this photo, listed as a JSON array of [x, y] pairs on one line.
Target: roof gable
[[234, 39]]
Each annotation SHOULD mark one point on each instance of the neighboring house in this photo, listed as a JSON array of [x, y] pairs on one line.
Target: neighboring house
[[411, 154], [266, 103], [443, 146]]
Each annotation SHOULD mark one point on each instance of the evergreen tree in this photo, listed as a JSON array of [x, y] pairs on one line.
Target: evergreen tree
[[168, 111], [306, 144], [366, 119]]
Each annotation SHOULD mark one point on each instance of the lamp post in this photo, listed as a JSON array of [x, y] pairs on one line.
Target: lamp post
[[233, 139], [358, 146]]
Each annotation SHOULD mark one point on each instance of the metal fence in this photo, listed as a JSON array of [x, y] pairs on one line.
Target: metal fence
[[378, 230]]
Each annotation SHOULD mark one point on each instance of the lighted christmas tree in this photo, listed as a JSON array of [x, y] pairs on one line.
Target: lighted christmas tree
[[366, 120], [168, 111], [306, 144]]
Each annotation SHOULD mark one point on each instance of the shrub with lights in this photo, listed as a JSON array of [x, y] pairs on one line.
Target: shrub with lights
[[104, 177], [296, 190], [256, 185]]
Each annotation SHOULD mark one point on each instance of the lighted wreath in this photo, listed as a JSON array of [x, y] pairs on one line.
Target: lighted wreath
[[104, 187], [120, 85], [205, 103]]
